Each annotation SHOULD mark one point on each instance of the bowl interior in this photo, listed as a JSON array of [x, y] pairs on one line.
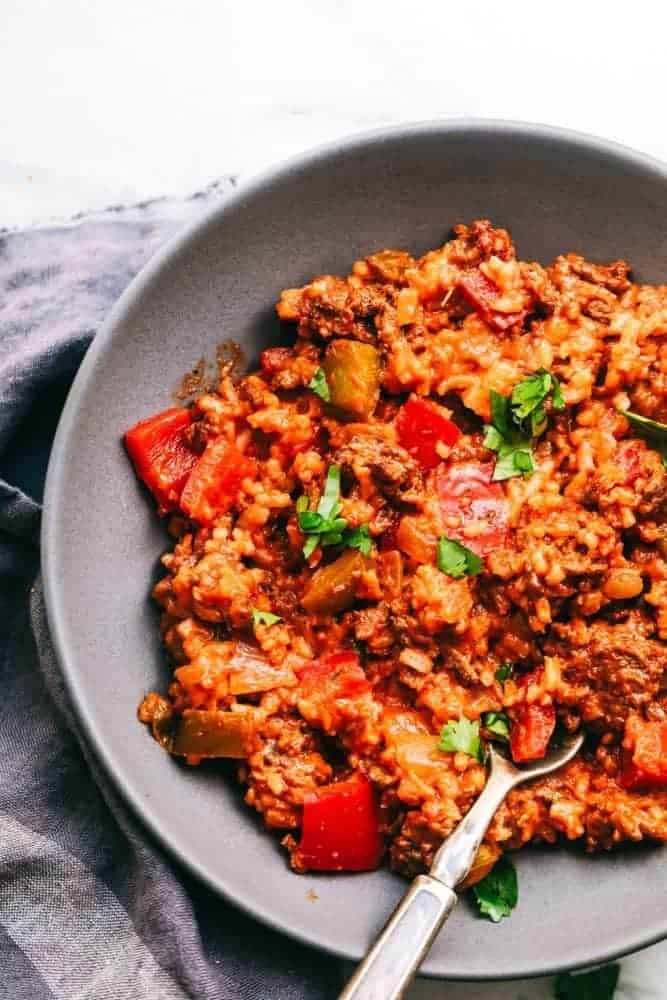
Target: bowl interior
[[404, 188]]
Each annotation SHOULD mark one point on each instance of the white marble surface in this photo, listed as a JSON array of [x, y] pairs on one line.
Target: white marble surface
[[109, 102], [114, 101]]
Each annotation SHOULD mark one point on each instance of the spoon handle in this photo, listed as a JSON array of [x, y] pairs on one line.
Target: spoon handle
[[394, 959]]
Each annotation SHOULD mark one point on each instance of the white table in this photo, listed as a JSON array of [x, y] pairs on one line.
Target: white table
[[105, 102], [109, 101]]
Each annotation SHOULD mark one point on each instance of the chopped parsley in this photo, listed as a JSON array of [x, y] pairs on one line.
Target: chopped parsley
[[518, 418], [511, 444], [556, 394], [329, 505], [497, 894], [497, 724], [263, 617], [513, 461], [504, 672], [456, 560], [462, 737], [320, 386], [358, 538], [600, 984], [653, 432], [324, 526], [528, 398]]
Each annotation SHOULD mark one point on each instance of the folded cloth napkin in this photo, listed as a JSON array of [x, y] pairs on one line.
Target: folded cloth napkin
[[89, 905]]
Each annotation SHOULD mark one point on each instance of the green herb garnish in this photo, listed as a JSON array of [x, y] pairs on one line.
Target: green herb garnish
[[462, 737], [518, 418], [263, 617], [456, 560], [324, 526], [528, 398], [653, 432], [329, 505], [504, 672], [514, 459], [498, 892], [600, 984], [358, 538], [557, 396], [320, 386], [511, 444], [496, 723]]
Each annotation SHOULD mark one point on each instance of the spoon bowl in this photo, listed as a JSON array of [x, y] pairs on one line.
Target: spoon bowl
[[394, 959], [559, 753]]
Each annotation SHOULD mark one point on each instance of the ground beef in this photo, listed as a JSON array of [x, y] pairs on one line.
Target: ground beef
[[621, 665], [614, 277], [331, 307], [286, 766], [480, 241], [392, 469]]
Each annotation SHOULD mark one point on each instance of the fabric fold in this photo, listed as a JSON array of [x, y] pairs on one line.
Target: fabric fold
[[90, 906]]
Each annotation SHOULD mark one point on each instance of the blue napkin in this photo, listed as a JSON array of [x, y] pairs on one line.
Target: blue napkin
[[90, 907]]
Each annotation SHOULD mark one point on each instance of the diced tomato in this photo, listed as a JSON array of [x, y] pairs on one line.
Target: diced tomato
[[469, 498], [650, 753], [420, 425], [161, 455], [340, 830], [627, 457], [337, 675], [531, 729], [482, 294], [214, 483], [631, 777], [274, 358], [645, 766]]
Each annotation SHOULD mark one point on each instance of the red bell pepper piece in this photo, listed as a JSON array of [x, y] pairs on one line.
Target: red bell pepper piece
[[161, 454], [273, 359], [337, 675], [214, 483], [482, 294], [420, 424], [532, 728], [627, 457], [340, 830], [645, 767], [468, 495]]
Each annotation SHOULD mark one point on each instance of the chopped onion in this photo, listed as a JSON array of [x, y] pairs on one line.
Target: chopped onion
[[250, 671]]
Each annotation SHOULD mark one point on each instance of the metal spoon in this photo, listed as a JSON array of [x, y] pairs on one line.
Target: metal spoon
[[393, 961]]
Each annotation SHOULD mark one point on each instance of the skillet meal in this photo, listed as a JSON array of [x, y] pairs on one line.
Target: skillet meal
[[437, 520]]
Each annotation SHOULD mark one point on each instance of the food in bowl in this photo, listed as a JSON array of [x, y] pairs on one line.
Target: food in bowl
[[437, 519]]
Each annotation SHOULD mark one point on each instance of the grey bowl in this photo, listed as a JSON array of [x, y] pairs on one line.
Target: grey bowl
[[403, 187]]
